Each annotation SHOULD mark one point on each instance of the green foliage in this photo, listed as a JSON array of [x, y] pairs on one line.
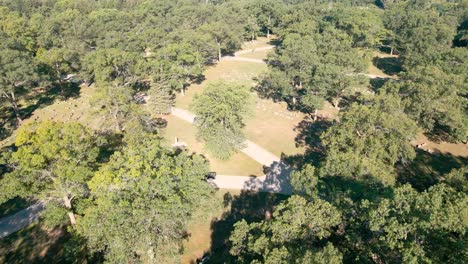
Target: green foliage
[[435, 99], [53, 163], [17, 72], [221, 111], [288, 237], [367, 142], [143, 199], [160, 99]]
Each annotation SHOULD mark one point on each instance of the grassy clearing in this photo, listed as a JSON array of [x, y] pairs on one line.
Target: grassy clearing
[[455, 149], [261, 55], [259, 42], [72, 109], [239, 164], [233, 71]]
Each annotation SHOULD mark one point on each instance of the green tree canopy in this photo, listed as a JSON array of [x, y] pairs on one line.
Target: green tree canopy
[[368, 141], [53, 163], [221, 110], [142, 200]]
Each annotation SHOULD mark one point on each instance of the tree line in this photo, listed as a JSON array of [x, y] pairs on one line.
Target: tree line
[[128, 198]]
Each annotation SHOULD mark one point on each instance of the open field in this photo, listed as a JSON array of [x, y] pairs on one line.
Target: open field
[[455, 149], [233, 71], [262, 54]]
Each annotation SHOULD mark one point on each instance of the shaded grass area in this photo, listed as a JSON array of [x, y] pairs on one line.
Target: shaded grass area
[[388, 65], [13, 206], [250, 206], [75, 108], [34, 244], [210, 236], [238, 164], [427, 169], [199, 231], [34, 100]]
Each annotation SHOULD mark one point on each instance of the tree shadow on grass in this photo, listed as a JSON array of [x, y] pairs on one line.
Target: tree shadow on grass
[[33, 245], [36, 99], [389, 65], [309, 132], [427, 169], [250, 206]]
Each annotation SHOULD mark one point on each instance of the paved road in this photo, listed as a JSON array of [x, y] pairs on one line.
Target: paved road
[[13, 223]]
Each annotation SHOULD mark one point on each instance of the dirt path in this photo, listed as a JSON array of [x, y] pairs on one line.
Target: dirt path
[[231, 58], [21, 219], [247, 51]]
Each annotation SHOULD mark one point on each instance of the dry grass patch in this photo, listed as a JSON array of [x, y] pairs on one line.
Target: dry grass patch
[[455, 149]]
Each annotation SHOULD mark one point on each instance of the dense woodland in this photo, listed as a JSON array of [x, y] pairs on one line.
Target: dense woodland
[[126, 198]]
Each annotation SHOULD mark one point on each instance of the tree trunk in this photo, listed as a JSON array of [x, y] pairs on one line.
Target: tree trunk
[[315, 114], [67, 202], [219, 51], [268, 33], [182, 91], [391, 50], [336, 102], [14, 105]]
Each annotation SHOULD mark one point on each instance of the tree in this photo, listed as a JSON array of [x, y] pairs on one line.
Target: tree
[[53, 163], [420, 227], [117, 106], [178, 65], [365, 26], [160, 98], [227, 37], [434, 99], [221, 112], [60, 62], [17, 73], [416, 31], [368, 141], [142, 200], [290, 236]]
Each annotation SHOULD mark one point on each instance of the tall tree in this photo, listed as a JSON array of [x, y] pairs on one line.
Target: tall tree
[[142, 200], [435, 99], [221, 112], [368, 141], [53, 163], [290, 236], [17, 73]]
